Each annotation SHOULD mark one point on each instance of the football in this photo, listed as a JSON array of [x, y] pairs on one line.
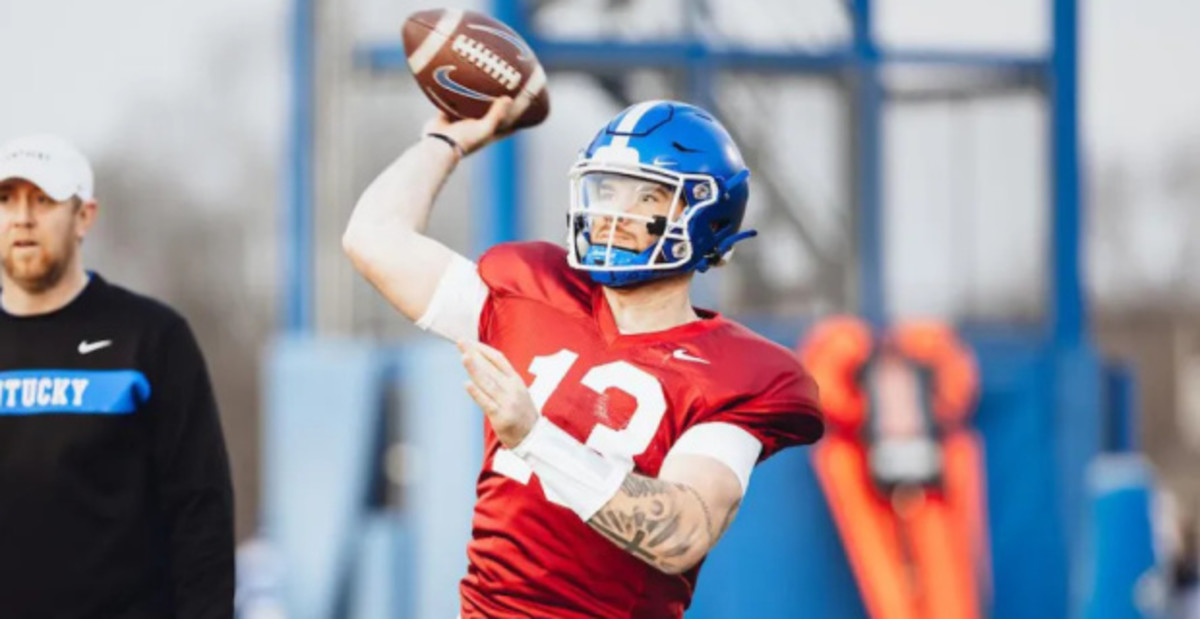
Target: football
[[463, 60]]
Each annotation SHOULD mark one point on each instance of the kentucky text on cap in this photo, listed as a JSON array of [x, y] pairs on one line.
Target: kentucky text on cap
[[51, 163]]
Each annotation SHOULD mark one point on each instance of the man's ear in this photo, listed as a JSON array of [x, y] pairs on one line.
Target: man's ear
[[85, 216]]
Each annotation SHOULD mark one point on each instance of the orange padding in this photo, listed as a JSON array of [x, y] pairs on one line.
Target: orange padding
[[919, 552], [837, 348], [956, 379], [965, 480], [916, 556], [833, 352]]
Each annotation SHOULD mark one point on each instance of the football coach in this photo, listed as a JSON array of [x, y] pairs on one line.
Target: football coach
[[115, 494]]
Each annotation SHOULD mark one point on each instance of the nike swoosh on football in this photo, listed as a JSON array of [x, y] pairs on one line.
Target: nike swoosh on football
[[86, 347], [682, 355], [441, 75]]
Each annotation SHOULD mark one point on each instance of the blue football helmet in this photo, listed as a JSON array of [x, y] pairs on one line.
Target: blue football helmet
[[682, 152]]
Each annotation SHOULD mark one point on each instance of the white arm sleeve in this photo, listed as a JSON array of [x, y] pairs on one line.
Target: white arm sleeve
[[457, 303], [723, 442]]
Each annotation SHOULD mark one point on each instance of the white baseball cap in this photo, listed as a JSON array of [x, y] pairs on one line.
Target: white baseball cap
[[51, 163]]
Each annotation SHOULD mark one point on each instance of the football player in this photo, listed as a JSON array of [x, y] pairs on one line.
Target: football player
[[623, 422]]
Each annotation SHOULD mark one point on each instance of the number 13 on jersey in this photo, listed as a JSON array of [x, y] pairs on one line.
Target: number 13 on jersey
[[620, 445]]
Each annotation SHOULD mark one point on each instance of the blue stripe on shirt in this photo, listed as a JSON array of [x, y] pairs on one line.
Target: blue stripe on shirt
[[85, 392]]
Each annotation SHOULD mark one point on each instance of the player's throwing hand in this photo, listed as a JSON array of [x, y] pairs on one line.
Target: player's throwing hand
[[472, 134], [499, 390]]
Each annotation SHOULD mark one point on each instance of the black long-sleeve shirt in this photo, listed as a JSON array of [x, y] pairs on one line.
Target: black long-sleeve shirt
[[115, 494]]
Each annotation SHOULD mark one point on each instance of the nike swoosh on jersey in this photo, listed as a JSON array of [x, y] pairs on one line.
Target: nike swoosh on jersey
[[683, 355], [86, 347]]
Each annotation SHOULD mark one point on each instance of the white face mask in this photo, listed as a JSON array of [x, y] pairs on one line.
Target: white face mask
[[619, 210]]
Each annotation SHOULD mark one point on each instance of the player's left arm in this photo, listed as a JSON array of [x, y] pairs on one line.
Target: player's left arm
[[670, 522]]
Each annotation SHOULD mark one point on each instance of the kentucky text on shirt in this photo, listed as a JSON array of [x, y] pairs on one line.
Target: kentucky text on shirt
[[33, 392]]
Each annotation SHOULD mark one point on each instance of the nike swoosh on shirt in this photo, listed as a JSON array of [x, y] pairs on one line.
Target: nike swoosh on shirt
[[86, 347]]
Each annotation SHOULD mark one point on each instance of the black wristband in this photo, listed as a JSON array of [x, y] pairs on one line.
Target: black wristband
[[458, 149]]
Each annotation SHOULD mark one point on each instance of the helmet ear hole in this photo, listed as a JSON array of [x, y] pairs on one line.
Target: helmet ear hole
[[718, 225]]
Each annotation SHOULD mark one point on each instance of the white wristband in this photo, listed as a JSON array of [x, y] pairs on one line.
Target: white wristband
[[582, 479]]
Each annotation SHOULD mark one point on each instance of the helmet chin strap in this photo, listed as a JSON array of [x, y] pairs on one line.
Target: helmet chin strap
[[724, 248]]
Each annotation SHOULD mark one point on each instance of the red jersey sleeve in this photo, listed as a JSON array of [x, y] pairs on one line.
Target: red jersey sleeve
[[463, 304], [781, 408], [518, 273], [535, 270]]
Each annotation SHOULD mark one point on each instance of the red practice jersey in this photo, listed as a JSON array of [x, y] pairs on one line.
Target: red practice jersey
[[628, 396]]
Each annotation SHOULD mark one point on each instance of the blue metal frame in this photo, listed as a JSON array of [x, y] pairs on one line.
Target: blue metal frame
[[498, 210], [1069, 315], [1121, 432], [500, 168], [297, 280], [615, 55], [872, 289]]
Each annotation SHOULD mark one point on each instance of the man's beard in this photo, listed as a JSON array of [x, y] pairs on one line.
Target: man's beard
[[40, 273]]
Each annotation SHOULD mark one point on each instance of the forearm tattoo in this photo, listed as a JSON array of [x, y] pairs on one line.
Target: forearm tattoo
[[657, 522]]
